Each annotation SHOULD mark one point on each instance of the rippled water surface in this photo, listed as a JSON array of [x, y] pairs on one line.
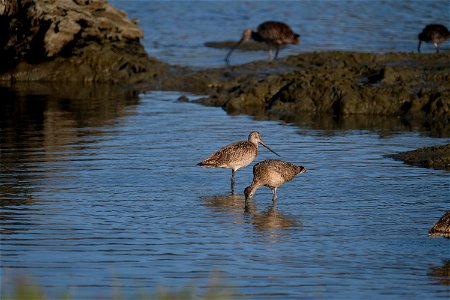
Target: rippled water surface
[[176, 31], [102, 193]]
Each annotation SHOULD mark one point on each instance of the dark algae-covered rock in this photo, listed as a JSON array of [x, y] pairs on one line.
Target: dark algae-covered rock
[[437, 157], [71, 40], [343, 83]]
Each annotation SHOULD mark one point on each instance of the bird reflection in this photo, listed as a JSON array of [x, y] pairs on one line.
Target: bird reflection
[[441, 274], [273, 219], [228, 203], [246, 211]]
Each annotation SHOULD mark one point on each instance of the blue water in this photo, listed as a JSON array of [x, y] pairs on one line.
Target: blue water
[[176, 31], [100, 193], [107, 196]]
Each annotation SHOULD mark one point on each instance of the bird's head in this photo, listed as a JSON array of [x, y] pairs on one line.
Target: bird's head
[[255, 138], [248, 192], [296, 39]]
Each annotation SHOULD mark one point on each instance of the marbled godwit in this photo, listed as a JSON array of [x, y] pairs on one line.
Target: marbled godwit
[[273, 33], [236, 155], [272, 173], [433, 33], [442, 227]]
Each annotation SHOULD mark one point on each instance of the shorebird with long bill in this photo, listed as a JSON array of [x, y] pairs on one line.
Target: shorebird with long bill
[[272, 173], [236, 155], [273, 33], [433, 33]]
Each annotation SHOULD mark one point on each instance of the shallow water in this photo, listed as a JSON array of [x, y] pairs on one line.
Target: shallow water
[[176, 31], [99, 190], [102, 192]]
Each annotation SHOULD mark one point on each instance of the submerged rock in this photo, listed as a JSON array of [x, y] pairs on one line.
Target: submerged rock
[[442, 227], [71, 40]]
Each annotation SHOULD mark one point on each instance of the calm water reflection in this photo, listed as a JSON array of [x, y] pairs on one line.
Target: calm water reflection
[[99, 188], [441, 274], [39, 122], [246, 211]]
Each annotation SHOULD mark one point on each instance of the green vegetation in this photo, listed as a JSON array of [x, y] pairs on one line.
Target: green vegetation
[[26, 289]]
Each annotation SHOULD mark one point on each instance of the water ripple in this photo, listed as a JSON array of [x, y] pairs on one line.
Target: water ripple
[[126, 204]]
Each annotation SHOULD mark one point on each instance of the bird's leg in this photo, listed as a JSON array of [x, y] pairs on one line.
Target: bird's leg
[[276, 52], [274, 198], [232, 181], [418, 46], [246, 207], [437, 47]]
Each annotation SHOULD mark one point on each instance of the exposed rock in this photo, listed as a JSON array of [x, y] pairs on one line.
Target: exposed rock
[[90, 41], [437, 157], [71, 40], [342, 83], [442, 227]]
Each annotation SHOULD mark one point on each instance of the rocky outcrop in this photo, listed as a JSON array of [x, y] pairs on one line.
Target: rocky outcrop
[[71, 40], [342, 83], [436, 157]]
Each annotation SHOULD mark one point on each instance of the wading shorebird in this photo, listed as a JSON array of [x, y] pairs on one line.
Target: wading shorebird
[[442, 227], [433, 33], [273, 33], [272, 173], [235, 155]]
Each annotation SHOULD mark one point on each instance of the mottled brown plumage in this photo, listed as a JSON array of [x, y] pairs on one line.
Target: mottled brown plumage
[[442, 227], [272, 173], [273, 33], [433, 33], [236, 155]]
